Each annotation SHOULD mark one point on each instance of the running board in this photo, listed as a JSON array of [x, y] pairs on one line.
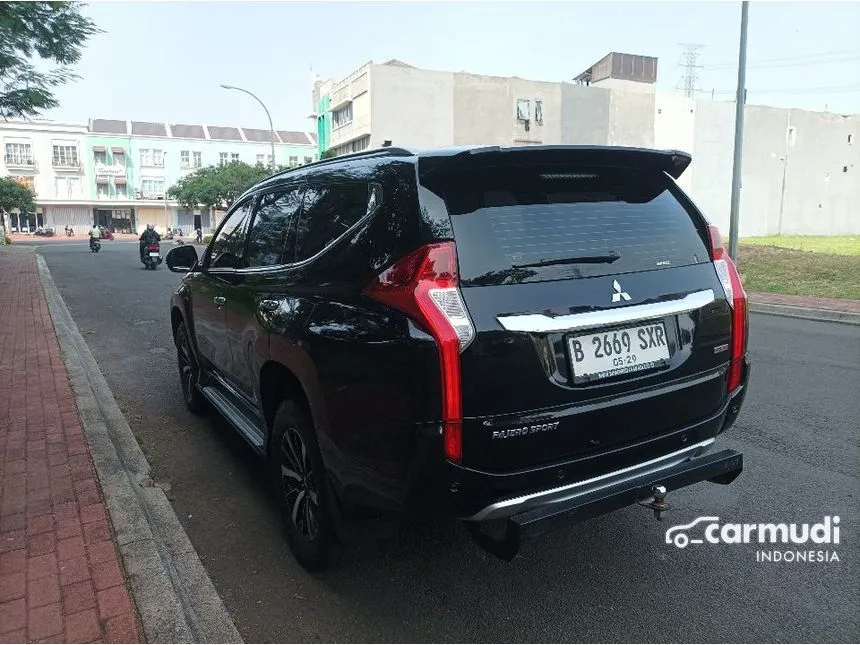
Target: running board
[[238, 418]]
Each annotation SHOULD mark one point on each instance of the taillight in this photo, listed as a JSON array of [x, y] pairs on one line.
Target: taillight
[[153, 247], [737, 298], [425, 286]]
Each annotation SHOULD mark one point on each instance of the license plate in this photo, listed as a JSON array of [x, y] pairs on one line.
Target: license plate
[[620, 351], [153, 254]]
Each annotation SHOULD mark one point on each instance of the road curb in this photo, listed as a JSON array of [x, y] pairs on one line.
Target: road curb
[[808, 313], [175, 598]]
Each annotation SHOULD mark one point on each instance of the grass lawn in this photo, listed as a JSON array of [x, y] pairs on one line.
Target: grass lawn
[[837, 244], [833, 274]]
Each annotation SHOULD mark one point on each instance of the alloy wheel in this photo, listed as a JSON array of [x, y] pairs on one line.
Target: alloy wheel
[[299, 485]]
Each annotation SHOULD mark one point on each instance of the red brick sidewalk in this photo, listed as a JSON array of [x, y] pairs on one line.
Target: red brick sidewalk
[[60, 575], [832, 304]]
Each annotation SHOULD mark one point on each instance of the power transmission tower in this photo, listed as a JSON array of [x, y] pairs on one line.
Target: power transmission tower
[[689, 81]]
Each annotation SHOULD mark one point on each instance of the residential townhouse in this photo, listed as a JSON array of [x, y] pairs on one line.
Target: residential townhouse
[[116, 173]]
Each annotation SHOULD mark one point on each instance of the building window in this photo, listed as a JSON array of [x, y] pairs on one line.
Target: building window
[[792, 136], [524, 110], [100, 156], [197, 159], [234, 156], [539, 112], [121, 191], [222, 158], [850, 139], [294, 161], [152, 158], [309, 160], [19, 154], [185, 159], [102, 191], [342, 116], [260, 159], [152, 188], [65, 156], [74, 184]]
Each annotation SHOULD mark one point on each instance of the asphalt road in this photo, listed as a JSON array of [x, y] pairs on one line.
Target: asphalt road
[[610, 579]]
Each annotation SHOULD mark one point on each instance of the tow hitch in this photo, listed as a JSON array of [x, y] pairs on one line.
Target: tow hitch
[[657, 502]]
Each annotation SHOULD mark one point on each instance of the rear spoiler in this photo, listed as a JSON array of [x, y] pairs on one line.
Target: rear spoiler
[[673, 162]]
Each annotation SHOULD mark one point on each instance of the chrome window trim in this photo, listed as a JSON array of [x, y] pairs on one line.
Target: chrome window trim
[[541, 323], [510, 507]]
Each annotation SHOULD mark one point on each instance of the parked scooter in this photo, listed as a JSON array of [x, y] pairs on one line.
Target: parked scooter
[[152, 256]]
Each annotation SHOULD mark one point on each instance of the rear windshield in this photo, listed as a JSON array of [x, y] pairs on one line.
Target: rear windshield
[[524, 224]]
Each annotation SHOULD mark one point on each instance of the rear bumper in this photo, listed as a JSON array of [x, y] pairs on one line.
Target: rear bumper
[[603, 487], [609, 495]]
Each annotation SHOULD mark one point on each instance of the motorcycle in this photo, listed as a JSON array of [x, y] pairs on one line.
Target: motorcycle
[[152, 256], [95, 245]]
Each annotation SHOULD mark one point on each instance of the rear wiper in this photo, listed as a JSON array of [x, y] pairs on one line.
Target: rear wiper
[[579, 259]]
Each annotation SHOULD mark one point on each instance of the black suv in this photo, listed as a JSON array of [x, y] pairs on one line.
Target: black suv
[[516, 337]]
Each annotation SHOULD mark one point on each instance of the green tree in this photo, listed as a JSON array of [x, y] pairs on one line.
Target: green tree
[[328, 154], [16, 196], [54, 32], [217, 186]]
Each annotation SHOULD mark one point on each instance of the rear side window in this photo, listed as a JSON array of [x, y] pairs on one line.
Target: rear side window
[[272, 220], [329, 211], [225, 249], [526, 224]]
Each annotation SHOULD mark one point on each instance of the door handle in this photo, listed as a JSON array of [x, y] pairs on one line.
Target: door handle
[[220, 300], [269, 305]]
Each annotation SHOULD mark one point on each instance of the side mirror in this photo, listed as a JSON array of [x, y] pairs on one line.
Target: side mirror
[[181, 259]]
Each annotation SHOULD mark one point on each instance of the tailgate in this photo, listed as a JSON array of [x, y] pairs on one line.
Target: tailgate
[[599, 317]]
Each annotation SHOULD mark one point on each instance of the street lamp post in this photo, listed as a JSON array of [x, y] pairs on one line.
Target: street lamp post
[[257, 98]]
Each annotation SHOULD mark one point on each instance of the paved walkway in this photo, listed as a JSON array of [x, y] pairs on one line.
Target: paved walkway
[[61, 579], [832, 304]]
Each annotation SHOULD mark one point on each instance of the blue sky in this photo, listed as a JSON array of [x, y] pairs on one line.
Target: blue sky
[[164, 61]]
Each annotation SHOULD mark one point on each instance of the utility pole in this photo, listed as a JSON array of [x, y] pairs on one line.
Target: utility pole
[[740, 100], [690, 77]]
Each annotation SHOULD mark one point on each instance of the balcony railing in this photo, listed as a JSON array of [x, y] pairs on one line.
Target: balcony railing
[[17, 161], [69, 165]]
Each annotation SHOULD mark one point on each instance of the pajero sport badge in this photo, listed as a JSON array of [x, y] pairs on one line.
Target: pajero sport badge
[[521, 432]]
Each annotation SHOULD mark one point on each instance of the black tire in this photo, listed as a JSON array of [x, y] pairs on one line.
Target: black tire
[[298, 475], [189, 372]]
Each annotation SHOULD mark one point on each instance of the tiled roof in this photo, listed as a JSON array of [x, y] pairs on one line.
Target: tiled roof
[[264, 136], [300, 138], [187, 131], [148, 129], [191, 131], [225, 134], [109, 126]]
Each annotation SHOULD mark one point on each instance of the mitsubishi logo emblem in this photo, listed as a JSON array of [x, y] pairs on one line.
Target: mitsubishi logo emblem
[[619, 294]]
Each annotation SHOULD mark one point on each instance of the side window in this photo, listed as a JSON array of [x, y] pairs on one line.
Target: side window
[[226, 247], [329, 211], [268, 233]]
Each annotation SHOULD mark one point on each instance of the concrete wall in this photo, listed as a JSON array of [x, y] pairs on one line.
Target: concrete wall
[[411, 107], [631, 119], [584, 115], [791, 184], [675, 129]]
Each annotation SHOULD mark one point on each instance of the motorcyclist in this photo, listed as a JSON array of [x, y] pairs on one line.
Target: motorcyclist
[[94, 234], [149, 236]]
